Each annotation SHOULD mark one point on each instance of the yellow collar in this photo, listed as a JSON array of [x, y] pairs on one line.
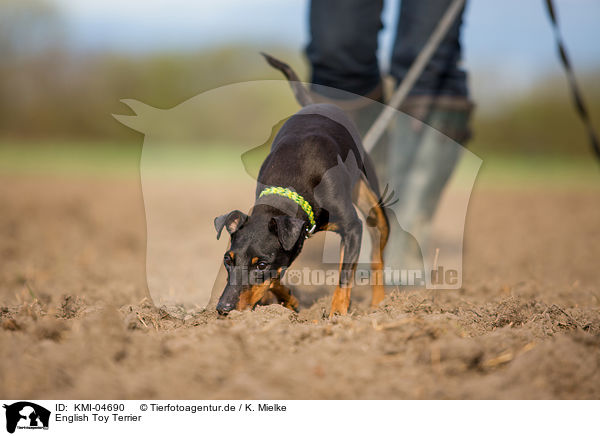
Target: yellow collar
[[296, 198]]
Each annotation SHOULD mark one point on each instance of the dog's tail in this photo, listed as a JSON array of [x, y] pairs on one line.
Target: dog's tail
[[300, 91]]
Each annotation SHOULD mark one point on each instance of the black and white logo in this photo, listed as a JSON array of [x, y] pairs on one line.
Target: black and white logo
[[26, 415]]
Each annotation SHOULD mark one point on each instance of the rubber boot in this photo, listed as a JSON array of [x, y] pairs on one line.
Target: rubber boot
[[417, 162]]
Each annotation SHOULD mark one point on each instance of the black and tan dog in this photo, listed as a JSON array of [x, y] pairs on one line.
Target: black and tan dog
[[308, 146]]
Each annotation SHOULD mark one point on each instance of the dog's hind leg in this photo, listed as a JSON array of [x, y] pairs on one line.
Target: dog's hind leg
[[377, 224]]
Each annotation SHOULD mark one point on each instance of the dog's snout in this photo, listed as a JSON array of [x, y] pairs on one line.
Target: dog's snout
[[229, 299], [224, 309]]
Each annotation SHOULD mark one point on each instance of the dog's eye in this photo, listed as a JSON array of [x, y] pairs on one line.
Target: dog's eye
[[227, 261], [262, 265]]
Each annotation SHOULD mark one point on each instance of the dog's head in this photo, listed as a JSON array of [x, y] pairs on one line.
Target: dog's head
[[262, 246]]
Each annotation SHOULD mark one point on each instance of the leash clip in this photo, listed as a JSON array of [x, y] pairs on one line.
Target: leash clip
[[310, 231]]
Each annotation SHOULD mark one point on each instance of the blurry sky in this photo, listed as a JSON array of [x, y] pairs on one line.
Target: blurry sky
[[510, 39]]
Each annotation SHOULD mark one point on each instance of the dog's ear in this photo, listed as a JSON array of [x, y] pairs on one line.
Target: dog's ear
[[232, 221], [287, 229]]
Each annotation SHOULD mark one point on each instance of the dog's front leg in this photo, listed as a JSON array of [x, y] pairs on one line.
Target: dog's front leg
[[284, 295], [349, 252]]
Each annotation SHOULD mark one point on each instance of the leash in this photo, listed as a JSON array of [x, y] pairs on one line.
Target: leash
[[296, 198], [413, 74], [580, 105]]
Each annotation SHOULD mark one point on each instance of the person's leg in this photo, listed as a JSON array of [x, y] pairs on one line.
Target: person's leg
[[419, 160], [343, 56], [343, 46], [442, 75]]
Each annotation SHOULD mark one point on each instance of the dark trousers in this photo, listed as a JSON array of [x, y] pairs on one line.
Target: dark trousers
[[343, 46]]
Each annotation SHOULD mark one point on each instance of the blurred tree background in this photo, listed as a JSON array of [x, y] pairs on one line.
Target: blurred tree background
[[49, 92]]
